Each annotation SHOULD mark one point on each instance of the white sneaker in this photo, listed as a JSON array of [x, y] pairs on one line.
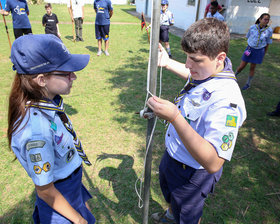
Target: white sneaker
[[99, 53], [106, 53]]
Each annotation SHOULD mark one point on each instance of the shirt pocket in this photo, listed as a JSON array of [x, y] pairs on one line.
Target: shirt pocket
[[63, 143], [192, 112]]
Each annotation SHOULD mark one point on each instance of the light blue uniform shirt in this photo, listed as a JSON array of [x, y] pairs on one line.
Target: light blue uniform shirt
[[259, 38], [44, 147], [216, 110], [217, 15], [166, 18]]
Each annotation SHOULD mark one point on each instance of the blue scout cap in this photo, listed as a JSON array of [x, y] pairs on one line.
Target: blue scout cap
[[164, 2], [43, 53]]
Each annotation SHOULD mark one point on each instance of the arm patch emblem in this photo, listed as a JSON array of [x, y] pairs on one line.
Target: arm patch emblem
[[35, 144], [231, 121], [35, 157]]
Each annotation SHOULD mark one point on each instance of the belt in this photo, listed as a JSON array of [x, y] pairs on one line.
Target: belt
[[74, 172], [184, 166]]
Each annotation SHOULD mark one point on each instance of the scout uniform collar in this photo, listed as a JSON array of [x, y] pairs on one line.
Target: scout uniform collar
[[46, 104]]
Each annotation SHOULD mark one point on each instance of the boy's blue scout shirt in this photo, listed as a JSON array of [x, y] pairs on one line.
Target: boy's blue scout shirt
[[19, 10], [102, 8], [258, 38], [166, 18], [215, 109], [44, 147]]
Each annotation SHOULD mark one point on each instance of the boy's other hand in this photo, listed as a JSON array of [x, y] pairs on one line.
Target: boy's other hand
[[162, 108], [163, 57]]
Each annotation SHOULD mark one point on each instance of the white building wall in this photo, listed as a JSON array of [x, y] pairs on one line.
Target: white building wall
[[274, 11], [114, 2], [241, 14]]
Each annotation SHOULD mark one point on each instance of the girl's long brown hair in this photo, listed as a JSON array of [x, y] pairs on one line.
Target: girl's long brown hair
[[24, 89]]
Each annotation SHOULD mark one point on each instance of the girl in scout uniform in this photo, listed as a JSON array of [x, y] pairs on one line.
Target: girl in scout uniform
[[259, 37], [41, 134]]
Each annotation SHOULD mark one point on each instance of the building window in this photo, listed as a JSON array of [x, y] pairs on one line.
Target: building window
[[191, 2]]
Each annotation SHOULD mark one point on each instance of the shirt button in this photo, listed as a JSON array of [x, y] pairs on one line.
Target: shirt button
[[68, 147], [168, 135], [188, 115], [179, 106], [35, 113]]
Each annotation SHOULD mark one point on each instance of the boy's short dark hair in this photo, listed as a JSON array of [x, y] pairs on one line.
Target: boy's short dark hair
[[208, 36], [48, 5], [215, 4]]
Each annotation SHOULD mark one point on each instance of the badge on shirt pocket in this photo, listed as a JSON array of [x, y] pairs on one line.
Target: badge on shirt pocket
[[63, 143]]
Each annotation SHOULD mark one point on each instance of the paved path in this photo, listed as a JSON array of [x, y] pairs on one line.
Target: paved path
[[178, 31]]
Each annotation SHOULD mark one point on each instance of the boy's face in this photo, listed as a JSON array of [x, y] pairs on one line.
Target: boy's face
[[201, 66], [164, 7], [49, 10], [213, 9]]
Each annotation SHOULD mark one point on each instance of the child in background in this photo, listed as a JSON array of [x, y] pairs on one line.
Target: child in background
[[50, 21], [259, 37], [166, 20], [207, 8]]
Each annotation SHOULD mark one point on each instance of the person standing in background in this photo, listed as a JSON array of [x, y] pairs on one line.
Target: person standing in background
[[259, 37], [20, 12], [50, 21], [104, 12], [76, 11]]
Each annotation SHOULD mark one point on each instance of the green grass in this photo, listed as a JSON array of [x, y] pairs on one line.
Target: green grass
[[102, 107]]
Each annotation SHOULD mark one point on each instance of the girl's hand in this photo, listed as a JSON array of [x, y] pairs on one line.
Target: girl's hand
[[163, 108]]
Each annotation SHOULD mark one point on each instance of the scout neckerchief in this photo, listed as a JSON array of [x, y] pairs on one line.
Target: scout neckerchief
[[260, 32], [57, 105], [226, 73]]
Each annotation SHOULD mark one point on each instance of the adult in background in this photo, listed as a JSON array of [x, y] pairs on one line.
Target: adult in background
[[213, 12], [104, 11], [50, 21], [259, 37], [76, 11], [20, 12], [41, 134], [207, 8]]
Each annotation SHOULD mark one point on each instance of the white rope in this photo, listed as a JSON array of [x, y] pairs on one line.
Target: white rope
[[139, 193]]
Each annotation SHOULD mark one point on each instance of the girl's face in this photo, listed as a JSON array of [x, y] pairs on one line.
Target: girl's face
[[264, 21], [164, 7], [59, 83]]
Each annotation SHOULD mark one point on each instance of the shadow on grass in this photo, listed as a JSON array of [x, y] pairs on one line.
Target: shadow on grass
[[70, 110], [122, 179], [92, 49]]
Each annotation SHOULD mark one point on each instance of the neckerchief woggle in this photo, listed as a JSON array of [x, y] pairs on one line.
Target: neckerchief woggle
[[57, 105]]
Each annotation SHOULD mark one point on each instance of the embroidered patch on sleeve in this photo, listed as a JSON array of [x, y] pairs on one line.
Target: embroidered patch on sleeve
[[231, 121], [35, 144], [227, 141], [46, 166], [35, 157]]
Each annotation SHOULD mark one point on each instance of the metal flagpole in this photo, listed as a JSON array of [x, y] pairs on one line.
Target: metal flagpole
[[7, 31], [152, 75]]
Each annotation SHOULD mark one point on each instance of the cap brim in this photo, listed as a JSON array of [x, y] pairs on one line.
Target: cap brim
[[76, 63]]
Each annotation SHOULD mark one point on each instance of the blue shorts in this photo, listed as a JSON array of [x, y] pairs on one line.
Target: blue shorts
[[185, 188], [164, 33], [74, 192], [255, 56], [102, 31]]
